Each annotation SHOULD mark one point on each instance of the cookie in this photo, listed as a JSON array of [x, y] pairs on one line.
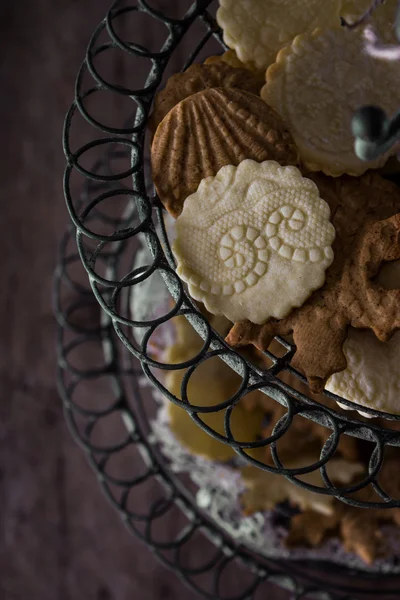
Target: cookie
[[303, 435], [209, 386], [230, 58], [367, 236], [317, 84], [211, 383], [362, 536], [359, 535], [372, 376], [381, 15], [310, 529], [197, 78], [209, 130], [265, 490], [257, 30], [254, 241]]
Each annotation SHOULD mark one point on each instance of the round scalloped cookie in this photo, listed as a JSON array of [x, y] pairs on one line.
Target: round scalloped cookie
[[372, 376], [254, 241], [317, 84], [258, 29]]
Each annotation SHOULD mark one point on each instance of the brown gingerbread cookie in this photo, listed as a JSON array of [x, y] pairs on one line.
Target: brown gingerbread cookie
[[364, 212], [197, 78], [303, 435], [230, 57], [211, 129], [360, 535], [310, 528], [358, 529]]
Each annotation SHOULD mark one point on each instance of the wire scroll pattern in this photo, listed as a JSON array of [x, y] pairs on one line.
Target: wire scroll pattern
[[118, 207], [97, 393]]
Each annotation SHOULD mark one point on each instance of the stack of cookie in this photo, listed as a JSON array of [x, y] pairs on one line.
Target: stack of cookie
[[280, 227], [306, 519]]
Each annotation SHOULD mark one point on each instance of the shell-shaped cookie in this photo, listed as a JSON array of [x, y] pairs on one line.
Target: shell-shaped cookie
[[317, 84], [258, 29], [200, 77], [209, 130], [255, 241]]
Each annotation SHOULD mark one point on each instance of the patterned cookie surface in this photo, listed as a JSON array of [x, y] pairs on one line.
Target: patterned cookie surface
[[197, 78], [372, 376], [368, 235], [317, 84], [211, 129], [258, 29], [254, 241]]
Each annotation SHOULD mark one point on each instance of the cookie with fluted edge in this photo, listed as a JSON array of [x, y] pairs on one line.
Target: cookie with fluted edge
[[254, 241], [211, 129], [372, 375], [368, 235], [258, 29], [317, 84], [200, 77]]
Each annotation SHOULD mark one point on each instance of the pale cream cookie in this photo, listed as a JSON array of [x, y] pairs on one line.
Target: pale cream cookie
[[212, 383], [258, 29], [382, 19], [254, 241], [372, 376], [318, 83]]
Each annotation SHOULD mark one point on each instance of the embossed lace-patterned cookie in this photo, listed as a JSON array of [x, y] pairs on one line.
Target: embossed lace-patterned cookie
[[317, 84], [350, 295], [258, 29], [372, 376], [209, 130], [254, 241], [197, 78]]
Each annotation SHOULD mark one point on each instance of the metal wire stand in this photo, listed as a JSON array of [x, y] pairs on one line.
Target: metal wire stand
[[114, 209]]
